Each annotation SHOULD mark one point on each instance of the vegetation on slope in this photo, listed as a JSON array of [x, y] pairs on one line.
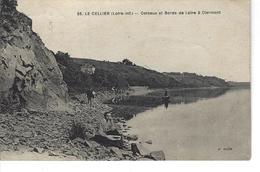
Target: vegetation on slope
[[110, 74], [193, 80], [126, 73]]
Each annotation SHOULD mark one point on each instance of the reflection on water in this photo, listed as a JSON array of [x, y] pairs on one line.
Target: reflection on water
[[166, 104], [128, 106], [189, 95], [217, 127]]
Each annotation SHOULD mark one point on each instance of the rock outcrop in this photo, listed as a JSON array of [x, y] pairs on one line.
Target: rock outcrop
[[29, 74]]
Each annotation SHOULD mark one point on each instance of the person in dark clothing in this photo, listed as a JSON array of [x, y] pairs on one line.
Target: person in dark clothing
[[90, 95], [166, 103], [166, 99], [166, 93]]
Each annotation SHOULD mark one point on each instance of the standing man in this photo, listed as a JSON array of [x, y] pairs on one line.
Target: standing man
[[90, 95]]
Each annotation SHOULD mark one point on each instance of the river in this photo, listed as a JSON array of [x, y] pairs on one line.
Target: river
[[214, 127]]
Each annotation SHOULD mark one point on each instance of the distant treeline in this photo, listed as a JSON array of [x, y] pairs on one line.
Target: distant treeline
[[195, 80], [239, 84], [124, 74]]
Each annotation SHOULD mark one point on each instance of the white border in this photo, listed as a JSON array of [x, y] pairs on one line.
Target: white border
[[212, 166]]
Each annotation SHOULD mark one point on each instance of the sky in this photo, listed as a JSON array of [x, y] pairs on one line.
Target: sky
[[214, 45]]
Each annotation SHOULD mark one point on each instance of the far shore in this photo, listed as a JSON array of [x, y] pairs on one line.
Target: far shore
[[143, 90]]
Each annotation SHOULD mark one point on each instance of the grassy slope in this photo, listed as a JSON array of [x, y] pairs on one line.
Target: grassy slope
[[134, 75], [109, 74]]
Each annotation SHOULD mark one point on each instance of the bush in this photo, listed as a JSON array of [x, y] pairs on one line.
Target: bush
[[62, 58], [128, 62], [78, 129]]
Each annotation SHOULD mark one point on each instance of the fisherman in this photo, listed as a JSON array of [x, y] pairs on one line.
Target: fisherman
[[165, 99], [166, 93]]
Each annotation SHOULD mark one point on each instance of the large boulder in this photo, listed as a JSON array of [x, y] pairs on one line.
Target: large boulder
[[29, 74], [109, 140], [157, 155], [132, 137], [139, 149]]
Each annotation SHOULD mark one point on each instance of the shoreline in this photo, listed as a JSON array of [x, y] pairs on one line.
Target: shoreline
[[26, 133], [47, 133]]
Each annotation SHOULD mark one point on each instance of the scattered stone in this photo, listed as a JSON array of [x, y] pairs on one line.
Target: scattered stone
[[113, 132], [45, 147], [98, 148], [123, 121], [4, 148], [144, 159], [139, 149], [21, 115], [25, 111], [27, 134], [89, 135], [132, 137], [2, 134], [71, 152], [78, 140], [157, 155], [149, 142], [15, 148], [51, 153], [109, 140], [88, 144], [22, 141], [126, 153], [113, 159], [38, 150], [16, 141], [117, 151]]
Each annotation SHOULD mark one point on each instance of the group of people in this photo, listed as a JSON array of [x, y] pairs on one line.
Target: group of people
[[120, 95]]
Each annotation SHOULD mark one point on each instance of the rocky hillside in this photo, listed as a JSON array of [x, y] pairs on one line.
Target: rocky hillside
[[29, 74], [193, 80]]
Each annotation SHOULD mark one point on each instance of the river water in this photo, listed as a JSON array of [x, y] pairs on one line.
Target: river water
[[215, 126]]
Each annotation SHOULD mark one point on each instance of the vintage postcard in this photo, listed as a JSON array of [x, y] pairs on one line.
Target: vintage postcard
[[125, 80]]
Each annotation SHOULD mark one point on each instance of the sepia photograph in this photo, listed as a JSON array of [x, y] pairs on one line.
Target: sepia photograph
[[148, 80]]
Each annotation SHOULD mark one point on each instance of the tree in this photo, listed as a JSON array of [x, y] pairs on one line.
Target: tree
[[62, 58], [128, 62]]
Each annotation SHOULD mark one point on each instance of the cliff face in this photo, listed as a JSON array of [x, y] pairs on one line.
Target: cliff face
[[29, 74]]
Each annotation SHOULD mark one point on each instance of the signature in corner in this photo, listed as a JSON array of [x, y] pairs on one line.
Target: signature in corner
[[225, 149]]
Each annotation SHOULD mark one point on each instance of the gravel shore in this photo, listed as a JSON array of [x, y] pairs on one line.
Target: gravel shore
[[34, 135]]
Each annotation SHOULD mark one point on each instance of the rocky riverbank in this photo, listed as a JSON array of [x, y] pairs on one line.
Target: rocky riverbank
[[82, 133]]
